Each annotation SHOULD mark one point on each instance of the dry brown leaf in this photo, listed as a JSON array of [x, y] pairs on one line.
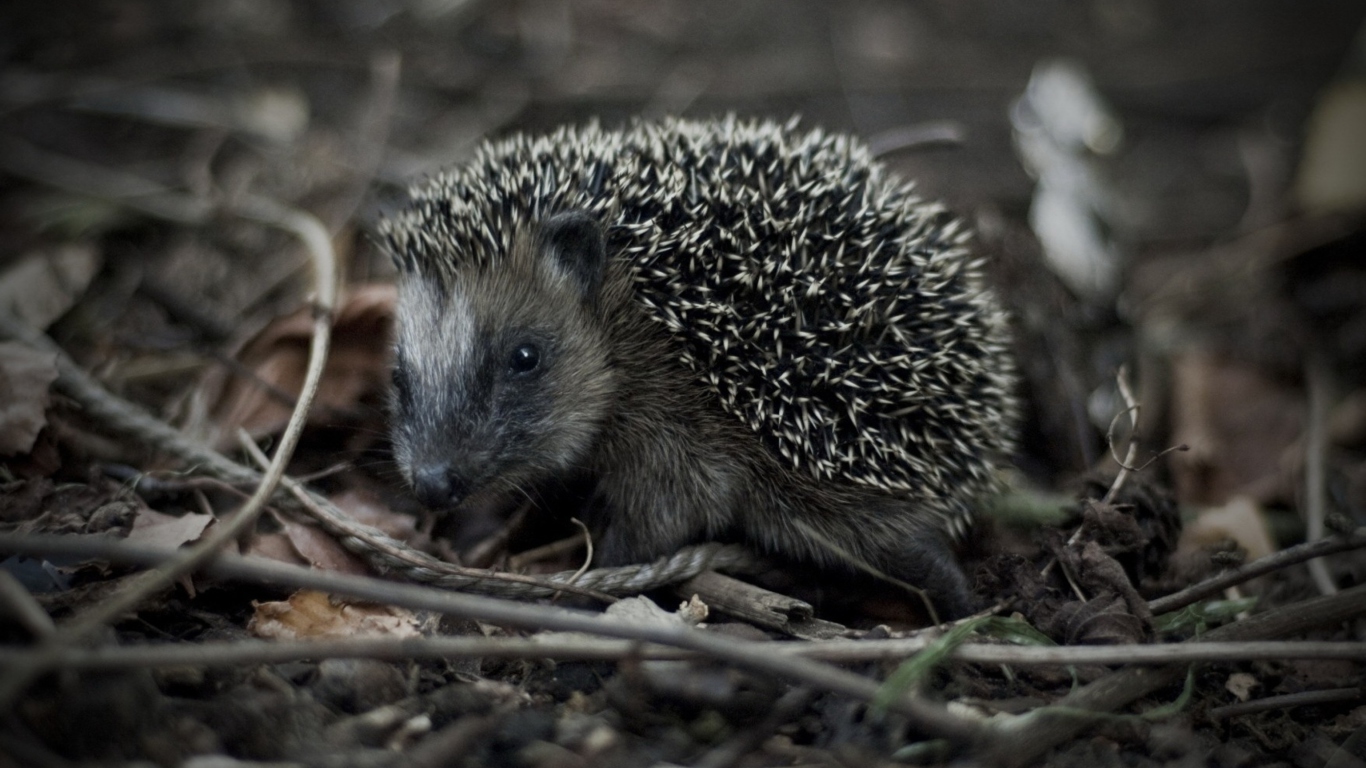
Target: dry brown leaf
[[152, 527], [25, 376], [309, 614], [357, 366], [1240, 519], [42, 286], [274, 546], [322, 551], [367, 508], [1239, 423]]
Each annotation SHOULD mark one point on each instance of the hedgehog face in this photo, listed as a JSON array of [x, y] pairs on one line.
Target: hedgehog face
[[501, 378]]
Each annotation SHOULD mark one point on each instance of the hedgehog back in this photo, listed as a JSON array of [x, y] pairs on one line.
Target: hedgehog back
[[826, 306]]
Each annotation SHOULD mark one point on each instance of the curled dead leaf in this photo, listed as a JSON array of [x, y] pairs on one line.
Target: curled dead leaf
[[322, 551], [310, 614]]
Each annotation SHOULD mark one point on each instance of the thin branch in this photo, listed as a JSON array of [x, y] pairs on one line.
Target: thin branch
[[1259, 567], [932, 718], [566, 647], [1133, 409], [1315, 466], [1024, 739], [1301, 699]]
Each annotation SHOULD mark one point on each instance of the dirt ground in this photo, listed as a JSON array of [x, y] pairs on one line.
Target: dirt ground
[[1170, 201]]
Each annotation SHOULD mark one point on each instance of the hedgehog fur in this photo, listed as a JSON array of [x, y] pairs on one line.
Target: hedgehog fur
[[810, 294]]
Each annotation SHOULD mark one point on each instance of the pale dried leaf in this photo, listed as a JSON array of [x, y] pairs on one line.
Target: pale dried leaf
[[42, 286], [25, 376], [1240, 520], [310, 614], [153, 527], [693, 611]]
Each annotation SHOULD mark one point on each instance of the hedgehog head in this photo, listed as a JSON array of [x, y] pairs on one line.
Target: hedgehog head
[[500, 378]]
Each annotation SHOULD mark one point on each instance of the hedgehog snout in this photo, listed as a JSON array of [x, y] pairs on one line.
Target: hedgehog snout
[[438, 486]]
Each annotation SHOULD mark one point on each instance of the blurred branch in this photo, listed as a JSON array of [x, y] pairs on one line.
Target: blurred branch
[[1259, 567], [930, 717]]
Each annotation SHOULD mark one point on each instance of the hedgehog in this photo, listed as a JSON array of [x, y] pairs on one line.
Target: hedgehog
[[721, 330]]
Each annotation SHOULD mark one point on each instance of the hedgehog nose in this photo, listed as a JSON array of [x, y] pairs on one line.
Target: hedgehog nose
[[438, 487]]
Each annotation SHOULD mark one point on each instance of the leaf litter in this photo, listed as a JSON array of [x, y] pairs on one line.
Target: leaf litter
[[1226, 293]]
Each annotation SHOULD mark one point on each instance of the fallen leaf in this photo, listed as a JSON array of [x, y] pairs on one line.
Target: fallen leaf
[[310, 614], [357, 368], [25, 376], [1240, 684], [42, 286], [321, 550], [153, 527], [1240, 423], [1241, 520], [367, 508]]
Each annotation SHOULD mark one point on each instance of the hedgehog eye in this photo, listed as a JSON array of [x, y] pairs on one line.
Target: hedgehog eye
[[524, 359]]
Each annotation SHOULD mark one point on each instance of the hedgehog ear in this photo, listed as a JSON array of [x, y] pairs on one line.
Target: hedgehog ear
[[574, 242]]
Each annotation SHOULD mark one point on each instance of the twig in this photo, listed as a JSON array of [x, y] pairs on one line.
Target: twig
[[23, 607], [1259, 567], [929, 717], [1133, 409], [1315, 472], [566, 647], [1301, 699], [588, 550], [755, 605], [546, 551], [1023, 739]]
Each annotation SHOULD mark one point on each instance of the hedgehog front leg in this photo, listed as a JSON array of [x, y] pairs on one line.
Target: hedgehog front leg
[[863, 531], [658, 490]]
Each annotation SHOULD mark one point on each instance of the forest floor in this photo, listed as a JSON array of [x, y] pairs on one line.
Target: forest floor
[[1171, 203]]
